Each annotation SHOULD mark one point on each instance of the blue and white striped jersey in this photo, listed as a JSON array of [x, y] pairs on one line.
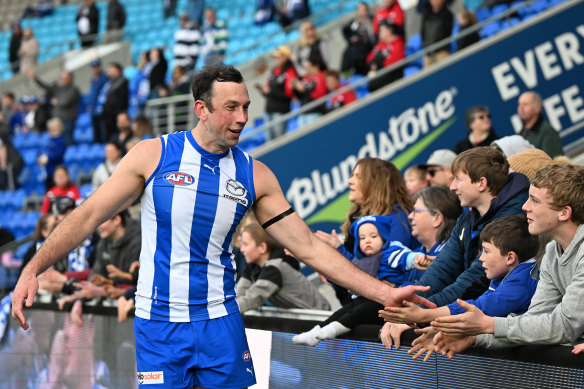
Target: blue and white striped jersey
[[191, 206]]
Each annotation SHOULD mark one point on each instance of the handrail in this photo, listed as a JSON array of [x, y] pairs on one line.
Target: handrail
[[313, 104]]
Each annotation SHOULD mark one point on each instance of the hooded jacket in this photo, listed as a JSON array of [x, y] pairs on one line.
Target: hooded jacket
[[506, 295], [394, 227], [457, 266], [555, 315]]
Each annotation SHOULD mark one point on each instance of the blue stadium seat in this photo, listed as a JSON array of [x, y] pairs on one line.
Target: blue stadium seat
[[499, 9], [411, 70], [85, 190], [414, 44], [482, 14], [507, 23], [292, 124], [97, 153], [15, 200], [29, 156], [490, 30]]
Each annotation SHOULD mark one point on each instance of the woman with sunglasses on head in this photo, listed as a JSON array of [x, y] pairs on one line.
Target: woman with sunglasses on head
[[481, 132]]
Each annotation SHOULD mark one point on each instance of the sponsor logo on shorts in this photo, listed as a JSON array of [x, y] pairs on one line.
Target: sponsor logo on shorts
[[247, 356], [179, 178], [150, 377]]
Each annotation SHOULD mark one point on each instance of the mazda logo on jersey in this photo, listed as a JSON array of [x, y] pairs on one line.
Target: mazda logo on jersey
[[178, 178], [235, 188], [236, 192]]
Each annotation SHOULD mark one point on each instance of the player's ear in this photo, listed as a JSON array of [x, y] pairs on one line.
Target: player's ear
[[201, 109]]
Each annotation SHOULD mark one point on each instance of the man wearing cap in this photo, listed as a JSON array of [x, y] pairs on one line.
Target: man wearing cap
[[535, 128], [278, 90], [187, 40], [438, 167], [98, 79]]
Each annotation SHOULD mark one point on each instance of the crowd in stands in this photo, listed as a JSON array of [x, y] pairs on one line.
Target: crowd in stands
[[456, 223]]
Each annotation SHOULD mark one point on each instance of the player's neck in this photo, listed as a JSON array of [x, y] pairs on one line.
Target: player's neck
[[201, 137]]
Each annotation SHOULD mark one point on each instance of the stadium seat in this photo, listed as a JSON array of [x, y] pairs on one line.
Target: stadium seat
[[86, 190], [482, 14], [490, 30], [411, 70], [499, 9], [414, 44]]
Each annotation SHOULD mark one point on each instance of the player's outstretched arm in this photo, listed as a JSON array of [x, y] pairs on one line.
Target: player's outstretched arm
[[292, 233], [116, 194]]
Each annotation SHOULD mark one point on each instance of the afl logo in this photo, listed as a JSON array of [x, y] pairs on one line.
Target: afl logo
[[247, 356], [178, 178], [235, 188]]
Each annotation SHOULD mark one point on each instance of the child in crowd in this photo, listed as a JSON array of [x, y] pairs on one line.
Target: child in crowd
[[555, 207], [277, 280], [371, 242], [332, 79], [415, 179], [507, 256], [63, 188]]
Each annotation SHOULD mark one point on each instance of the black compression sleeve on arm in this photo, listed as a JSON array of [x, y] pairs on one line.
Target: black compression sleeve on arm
[[277, 218]]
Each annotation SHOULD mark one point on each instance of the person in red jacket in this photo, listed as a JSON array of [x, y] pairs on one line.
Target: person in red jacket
[[390, 12], [310, 88], [278, 90], [333, 82], [389, 50], [63, 188]]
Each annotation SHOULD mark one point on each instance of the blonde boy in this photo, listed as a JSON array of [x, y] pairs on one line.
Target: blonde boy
[[276, 280]]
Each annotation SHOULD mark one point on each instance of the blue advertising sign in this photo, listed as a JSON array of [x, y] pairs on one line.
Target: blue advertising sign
[[406, 125]]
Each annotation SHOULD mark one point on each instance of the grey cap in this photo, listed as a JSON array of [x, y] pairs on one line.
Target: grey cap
[[512, 144], [441, 157]]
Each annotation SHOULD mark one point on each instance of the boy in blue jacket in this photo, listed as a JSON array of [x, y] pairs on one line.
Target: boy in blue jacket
[[507, 257]]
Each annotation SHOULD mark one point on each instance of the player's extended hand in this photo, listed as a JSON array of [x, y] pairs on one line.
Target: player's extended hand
[[24, 292], [398, 295], [422, 262], [449, 345], [405, 314], [472, 322], [424, 343], [391, 334]]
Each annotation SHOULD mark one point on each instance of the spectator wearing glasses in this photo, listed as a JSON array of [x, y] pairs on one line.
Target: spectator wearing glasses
[[481, 132], [438, 167]]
